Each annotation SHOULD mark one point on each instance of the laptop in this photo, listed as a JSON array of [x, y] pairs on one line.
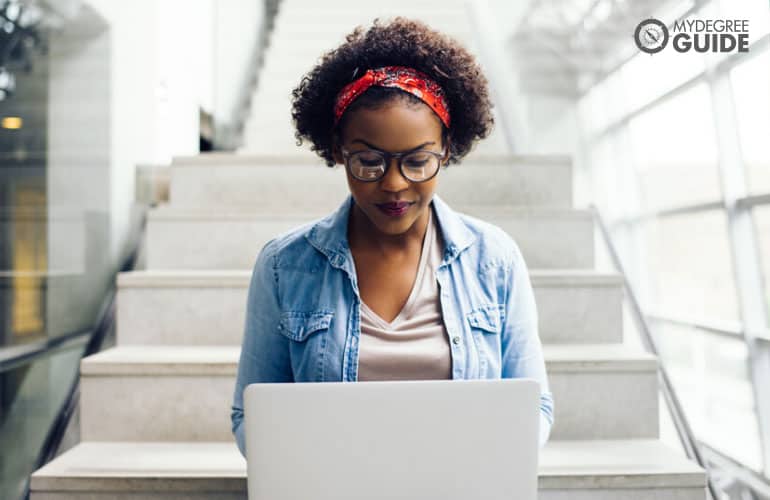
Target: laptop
[[377, 440]]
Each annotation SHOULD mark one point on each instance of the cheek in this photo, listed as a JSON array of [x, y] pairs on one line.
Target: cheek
[[360, 190], [426, 190]]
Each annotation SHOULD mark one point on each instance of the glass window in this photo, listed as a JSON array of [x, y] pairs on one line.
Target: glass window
[[594, 110], [711, 378], [690, 268], [605, 175], [762, 226], [675, 153], [646, 76], [751, 88]]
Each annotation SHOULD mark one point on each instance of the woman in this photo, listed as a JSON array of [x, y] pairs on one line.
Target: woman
[[394, 284]]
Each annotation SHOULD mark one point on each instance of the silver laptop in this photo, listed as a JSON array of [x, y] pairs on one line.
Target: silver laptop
[[443, 440]]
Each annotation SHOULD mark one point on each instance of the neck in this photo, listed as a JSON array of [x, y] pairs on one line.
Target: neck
[[362, 234]]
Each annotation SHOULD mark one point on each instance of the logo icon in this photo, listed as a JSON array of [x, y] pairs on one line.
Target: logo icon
[[651, 36]]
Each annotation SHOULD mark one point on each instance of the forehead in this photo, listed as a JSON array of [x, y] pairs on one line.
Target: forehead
[[393, 126]]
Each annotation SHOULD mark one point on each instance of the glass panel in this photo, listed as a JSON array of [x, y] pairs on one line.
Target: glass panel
[[670, 69], [34, 395], [55, 201], [751, 90], [675, 152], [690, 268], [603, 176], [594, 109], [711, 378], [762, 225]]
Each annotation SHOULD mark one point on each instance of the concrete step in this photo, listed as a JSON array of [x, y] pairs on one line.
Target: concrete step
[[180, 238], [158, 393], [181, 307], [582, 470], [602, 391], [281, 140], [240, 180], [208, 307], [277, 140], [184, 393], [266, 138]]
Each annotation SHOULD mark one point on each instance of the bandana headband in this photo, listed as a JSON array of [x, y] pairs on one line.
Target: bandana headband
[[402, 77]]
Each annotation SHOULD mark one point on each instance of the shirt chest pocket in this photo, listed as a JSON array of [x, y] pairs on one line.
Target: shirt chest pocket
[[485, 328], [309, 337], [486, 319], [299, 326]]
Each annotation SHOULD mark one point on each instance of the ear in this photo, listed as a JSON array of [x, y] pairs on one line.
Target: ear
[[447, 146]]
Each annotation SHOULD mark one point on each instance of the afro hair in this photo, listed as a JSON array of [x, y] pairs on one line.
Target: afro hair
[[403, 42]]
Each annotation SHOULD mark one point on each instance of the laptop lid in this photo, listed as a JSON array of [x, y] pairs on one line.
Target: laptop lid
[[442, 439]]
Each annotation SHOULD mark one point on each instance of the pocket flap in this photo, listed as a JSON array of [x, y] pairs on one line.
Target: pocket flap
[[486, 318], [298, 325]]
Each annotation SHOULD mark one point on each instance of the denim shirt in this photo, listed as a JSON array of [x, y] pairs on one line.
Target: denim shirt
[[303, 318]]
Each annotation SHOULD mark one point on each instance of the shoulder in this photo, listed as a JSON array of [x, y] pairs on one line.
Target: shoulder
[[289, 247], [495, 246]]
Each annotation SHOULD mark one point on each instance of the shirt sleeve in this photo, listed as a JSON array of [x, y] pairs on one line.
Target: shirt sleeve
[[522, 351], [264, 351]]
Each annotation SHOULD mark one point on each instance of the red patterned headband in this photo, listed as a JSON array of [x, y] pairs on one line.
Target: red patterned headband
[[408, 79]]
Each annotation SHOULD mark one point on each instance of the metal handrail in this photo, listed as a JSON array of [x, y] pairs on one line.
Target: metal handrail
[[29, 353], [683, 428], [758, 484]]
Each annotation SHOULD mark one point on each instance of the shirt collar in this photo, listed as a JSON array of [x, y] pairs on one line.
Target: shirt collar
[[329, 235]]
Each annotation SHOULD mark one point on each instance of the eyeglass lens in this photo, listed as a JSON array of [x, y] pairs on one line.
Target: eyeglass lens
[[371, 165]]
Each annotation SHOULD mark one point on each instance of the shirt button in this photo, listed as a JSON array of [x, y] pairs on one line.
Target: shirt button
[[456, 340]]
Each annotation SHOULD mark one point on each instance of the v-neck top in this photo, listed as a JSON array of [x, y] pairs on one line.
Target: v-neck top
[[415, 345]]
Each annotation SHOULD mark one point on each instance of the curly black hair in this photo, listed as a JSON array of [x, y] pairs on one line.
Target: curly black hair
[[404, 42]]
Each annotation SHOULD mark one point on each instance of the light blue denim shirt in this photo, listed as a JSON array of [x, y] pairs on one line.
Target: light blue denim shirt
[[303, 319]]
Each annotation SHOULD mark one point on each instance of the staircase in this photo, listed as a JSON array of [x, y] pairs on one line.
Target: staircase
[[155, 410]]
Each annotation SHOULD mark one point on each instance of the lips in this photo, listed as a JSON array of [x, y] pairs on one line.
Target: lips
[[395, 208]]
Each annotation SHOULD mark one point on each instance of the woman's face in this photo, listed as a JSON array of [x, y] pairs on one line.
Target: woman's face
[[393, 127]]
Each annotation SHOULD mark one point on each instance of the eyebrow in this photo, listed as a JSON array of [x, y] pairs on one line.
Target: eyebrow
[[406, 151]]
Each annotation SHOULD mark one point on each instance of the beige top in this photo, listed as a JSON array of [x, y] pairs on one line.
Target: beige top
[[415, 345]]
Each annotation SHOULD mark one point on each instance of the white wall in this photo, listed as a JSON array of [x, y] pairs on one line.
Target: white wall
[[156, 63]]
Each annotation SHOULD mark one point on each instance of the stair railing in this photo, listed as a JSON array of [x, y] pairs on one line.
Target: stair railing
[[684, 431]]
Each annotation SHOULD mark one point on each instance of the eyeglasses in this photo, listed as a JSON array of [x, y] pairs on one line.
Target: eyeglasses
[[370, 165]]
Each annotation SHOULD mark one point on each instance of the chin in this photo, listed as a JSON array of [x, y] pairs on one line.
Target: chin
[[388, 225]]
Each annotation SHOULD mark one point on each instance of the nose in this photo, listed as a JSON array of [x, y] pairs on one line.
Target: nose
[[393, 180]]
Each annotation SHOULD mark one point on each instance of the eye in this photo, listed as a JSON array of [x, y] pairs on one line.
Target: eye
[[369, 159], [418, 160]]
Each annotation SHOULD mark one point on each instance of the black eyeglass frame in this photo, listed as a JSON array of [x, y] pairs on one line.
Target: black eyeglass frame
[[388, 156]]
